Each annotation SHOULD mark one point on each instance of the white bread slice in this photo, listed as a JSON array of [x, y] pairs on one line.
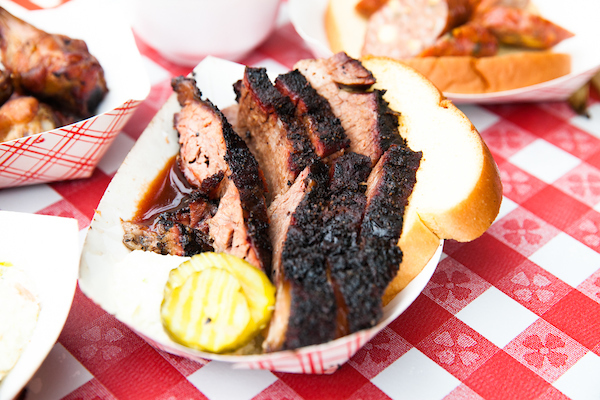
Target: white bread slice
[[458, 190]]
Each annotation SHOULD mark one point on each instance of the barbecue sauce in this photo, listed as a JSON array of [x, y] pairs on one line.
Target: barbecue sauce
[[166, 192]]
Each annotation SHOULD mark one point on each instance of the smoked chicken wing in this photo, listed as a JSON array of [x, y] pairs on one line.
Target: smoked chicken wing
[[56, 69]]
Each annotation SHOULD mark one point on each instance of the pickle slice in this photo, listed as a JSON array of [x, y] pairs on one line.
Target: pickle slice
[[216, 302]]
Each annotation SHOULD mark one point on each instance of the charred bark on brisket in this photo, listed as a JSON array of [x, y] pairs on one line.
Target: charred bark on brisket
[[275, 136], [365, 116], [218, 162], [361, 231], [182, 231], [313, 300], [340, 248], [341, 244], [305, 311], [388, 189], [323, 127]]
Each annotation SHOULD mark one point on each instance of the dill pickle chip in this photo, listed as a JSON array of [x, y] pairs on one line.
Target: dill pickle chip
[[208, 311], [260, 292], [216, 302]]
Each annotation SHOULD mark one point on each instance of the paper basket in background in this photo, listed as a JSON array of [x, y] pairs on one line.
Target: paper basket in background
[[73, 151]]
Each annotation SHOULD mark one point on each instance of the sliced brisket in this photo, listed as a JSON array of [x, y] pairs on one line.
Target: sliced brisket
[[182, 231], [275, 135], [362, 231], [323, 128], [329, 237], [305, 309], [341, 244], [210, 149], [388, 188], [368, 121], [201, 137], [335, 237]]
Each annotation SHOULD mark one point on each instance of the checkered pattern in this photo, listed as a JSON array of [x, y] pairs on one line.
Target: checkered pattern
[[514, 314]]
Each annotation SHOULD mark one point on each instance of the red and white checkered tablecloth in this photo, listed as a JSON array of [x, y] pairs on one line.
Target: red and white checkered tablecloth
[[514, 314]]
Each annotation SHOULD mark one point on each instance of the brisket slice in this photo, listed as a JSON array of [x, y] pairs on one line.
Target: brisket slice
[[201, 137], [305, 309], [323, 128], [275, 135], [240, 227], [362, 231], [335, 237], [388, 188], [210, 149], [182, 231], [351, 277], [365, 116]]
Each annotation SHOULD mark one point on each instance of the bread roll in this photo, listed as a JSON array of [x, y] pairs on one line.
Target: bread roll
[[458, 190]]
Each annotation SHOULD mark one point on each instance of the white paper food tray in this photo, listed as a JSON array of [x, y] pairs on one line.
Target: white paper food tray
[[133, 291], [73, 151]]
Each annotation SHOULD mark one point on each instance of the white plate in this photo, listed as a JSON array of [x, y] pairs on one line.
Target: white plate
[[133, 292], [47, 248], [581, 18]]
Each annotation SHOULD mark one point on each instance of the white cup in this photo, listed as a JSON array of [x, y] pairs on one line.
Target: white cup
[[186, 31]]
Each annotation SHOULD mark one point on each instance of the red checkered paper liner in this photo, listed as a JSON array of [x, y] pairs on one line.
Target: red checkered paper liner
[[325, 359], [442, 346]]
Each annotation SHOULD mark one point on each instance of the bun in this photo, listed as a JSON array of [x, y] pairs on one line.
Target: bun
[[467, 74], [458, 190], [346, 29]]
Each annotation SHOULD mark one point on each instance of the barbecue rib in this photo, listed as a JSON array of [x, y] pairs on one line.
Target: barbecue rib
[[56, 69], [6, 85]]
